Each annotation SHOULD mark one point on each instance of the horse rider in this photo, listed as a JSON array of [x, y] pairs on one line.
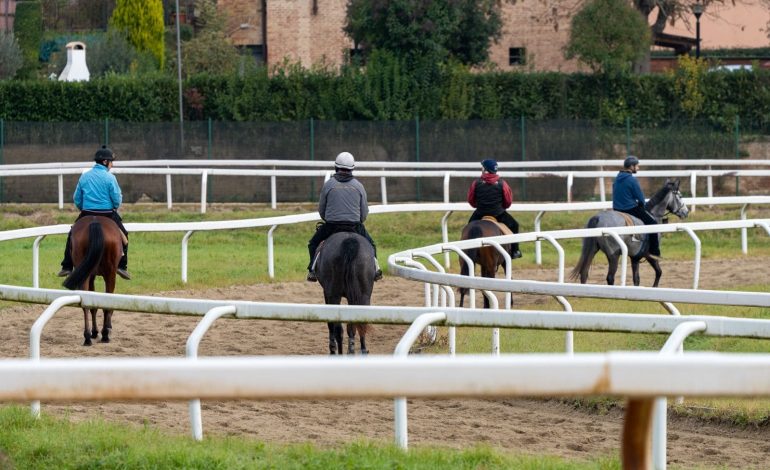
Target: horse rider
[[343, 208], [98, 193], [491, 196], [627, 196]]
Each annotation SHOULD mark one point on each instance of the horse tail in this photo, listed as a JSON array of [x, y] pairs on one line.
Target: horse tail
[[351, 269], [92, 258], [586, 254]]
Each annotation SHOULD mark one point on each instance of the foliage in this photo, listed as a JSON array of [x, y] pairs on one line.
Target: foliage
[[28, 28], [11, 59], [689, 80], [142, 23], [76, 15], [608, 35], [436, 30]]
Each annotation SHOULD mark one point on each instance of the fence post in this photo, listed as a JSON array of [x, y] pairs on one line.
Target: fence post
[[107, 131], [523, 127], [312, 157], [2, 160], [628, 135], [209, 138], [737, 151], [417, 149]]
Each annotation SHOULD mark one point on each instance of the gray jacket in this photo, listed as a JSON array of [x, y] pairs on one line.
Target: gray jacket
[[343, 199]]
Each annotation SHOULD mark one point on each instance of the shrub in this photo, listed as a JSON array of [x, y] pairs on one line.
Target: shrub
[[10, 55]]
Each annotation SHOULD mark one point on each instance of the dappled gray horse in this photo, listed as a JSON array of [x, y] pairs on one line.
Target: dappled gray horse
[[667, 200], [345, 268]]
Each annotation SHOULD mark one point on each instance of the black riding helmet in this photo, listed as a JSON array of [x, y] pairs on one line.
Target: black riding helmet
[[104, 153], [630, 161]]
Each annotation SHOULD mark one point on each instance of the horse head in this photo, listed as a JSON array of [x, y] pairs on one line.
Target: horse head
[[674, 201]]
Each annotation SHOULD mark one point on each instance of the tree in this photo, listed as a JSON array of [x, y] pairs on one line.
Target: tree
[[437, 29], [11, 59], [608, 35], [142, 23]]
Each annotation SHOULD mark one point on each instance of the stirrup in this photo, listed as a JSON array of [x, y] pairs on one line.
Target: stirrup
[[516, 254]]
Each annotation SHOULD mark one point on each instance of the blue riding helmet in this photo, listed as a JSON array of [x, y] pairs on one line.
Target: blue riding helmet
[[489, 165], [630, 161]]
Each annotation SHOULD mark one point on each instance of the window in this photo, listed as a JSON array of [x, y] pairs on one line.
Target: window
[[517, 55], [256, 51]]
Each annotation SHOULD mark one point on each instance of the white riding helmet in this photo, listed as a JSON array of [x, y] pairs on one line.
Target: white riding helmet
[[345, 160]]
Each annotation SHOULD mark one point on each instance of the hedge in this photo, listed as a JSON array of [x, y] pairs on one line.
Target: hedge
[[384, 92]]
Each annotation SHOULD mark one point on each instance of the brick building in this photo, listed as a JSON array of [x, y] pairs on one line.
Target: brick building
[[310, 32]]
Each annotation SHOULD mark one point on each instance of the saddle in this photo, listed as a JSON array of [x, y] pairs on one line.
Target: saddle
[[503, 228]]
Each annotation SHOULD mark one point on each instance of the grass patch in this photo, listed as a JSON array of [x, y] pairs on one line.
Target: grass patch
[[27, 443]]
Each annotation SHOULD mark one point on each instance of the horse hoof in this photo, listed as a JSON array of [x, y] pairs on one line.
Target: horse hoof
[[364, 352], [87, 342], [94, 334], [105, 340]]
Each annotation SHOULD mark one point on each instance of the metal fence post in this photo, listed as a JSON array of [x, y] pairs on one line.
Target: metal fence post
[[628, 135], [2, 160], [107, 131], [417, 149], [312, 157], [737, 151], [523, 126]]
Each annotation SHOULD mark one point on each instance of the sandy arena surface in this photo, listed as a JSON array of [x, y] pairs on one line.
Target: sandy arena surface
[[522, 425]]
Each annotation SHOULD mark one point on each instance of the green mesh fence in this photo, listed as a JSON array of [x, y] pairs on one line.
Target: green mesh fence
[[402, 141]]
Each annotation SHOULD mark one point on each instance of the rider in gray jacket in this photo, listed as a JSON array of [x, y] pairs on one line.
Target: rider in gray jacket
[[343, 208]]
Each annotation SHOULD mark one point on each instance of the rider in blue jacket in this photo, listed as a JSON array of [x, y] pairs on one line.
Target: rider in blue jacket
[[98, 193], [627, 196]]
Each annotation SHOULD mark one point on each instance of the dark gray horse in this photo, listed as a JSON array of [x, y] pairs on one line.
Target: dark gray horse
[[667, 200], [345, 268]]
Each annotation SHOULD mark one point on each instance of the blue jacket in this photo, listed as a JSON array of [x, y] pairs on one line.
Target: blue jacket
[[97, 189], [626, 192]]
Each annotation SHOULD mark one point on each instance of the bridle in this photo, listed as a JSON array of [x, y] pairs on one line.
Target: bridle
[[678, 200]]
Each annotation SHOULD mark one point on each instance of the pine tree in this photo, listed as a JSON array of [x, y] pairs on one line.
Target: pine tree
[[142, 23]]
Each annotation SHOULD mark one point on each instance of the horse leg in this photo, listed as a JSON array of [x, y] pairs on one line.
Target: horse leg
[[488, 271], [635, 271], [332, 342], [106, 326], [94, 328], [351, 338], [362, 335], [658, 272], [86, 328], [109, 287], [612, 269]]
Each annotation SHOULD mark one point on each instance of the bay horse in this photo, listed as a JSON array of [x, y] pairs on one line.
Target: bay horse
[[487, 256], [97, 245], [345, 268], [667, 200]]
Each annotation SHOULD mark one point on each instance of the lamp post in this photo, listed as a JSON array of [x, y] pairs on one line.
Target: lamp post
[[697, 10]]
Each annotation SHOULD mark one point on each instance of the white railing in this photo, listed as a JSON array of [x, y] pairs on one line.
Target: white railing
[[537, 236], [425, 170]]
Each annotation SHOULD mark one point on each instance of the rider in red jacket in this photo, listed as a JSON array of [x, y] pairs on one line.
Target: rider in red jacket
[[491, 196]]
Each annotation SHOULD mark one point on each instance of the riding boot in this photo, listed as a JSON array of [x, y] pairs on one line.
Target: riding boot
[[311, 277], [655, 244], [123, 265], [515, 252], [378, 271], [67, 264]]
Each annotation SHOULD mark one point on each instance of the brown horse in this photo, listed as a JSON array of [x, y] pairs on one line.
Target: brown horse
[[487, 257], [97, 245]]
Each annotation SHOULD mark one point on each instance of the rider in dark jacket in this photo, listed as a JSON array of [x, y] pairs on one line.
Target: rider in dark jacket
[[491, 196], [627, 196], [343, 208], [98, 193]]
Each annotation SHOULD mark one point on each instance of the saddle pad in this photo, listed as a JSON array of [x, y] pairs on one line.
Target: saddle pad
[[504, 228], [627, 218]]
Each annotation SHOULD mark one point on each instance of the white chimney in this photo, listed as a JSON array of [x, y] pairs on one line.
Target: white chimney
[[76, 69]]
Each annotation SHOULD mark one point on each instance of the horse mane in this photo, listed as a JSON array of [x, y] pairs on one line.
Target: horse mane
[[659, 195]]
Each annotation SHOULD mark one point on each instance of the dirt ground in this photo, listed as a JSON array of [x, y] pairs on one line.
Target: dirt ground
[[523, 425]]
